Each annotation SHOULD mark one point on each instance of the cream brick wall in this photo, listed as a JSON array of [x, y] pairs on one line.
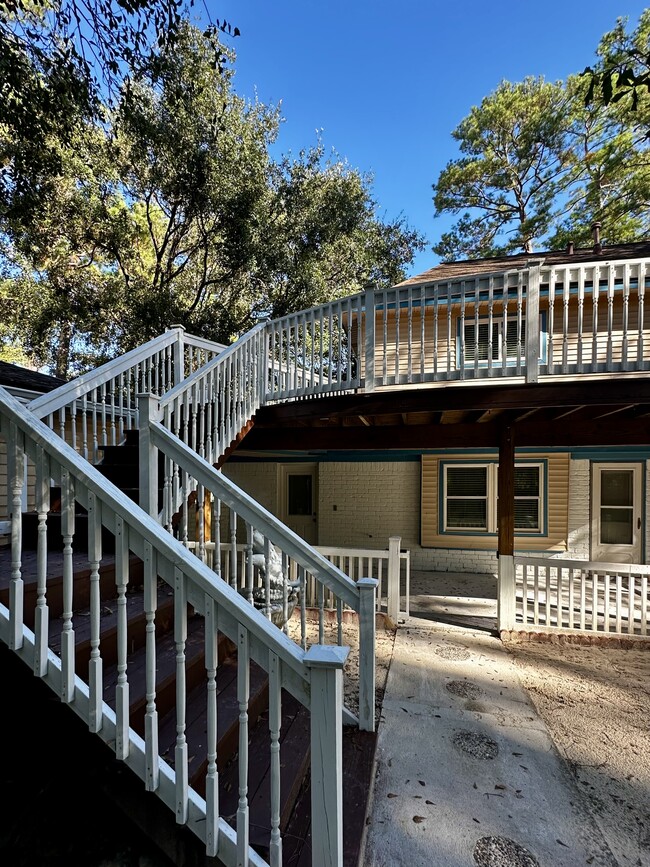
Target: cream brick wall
[[260, 480], [373, 500]]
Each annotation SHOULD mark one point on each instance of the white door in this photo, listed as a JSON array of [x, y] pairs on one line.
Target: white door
[[616, 529], [299, 497]]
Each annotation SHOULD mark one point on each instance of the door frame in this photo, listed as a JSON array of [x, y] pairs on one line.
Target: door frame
[[638, 525]]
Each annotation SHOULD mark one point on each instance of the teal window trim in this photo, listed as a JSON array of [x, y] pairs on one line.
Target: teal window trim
[[492, 494], [497, 360]]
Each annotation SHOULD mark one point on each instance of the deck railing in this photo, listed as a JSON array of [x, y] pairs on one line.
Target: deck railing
[[96, 409], [202, 493], [313, 677], [573, 595], [531, 321]]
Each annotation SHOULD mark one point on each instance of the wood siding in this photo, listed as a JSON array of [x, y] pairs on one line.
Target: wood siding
[[557, 511]]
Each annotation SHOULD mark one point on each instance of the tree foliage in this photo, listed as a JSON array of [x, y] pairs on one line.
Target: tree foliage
[[172, 210], [511, 164], [541, 162]]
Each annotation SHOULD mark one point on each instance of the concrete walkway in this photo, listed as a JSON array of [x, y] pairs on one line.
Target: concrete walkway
[[467, 773]]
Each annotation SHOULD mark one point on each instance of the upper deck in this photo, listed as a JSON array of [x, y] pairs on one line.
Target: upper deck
[[551, 316]]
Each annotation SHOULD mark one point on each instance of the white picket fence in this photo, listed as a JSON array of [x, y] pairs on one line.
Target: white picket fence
[[578, 596], [357, 563]]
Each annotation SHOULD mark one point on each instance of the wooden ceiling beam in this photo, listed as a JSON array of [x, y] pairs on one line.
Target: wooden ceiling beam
[[601, 392], [386, 437]]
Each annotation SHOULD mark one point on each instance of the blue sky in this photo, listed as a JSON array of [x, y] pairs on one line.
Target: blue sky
[[388, 82]]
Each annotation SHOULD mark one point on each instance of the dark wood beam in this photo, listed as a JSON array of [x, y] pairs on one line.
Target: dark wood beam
[[607, 432], [506, 498], [601, 392]]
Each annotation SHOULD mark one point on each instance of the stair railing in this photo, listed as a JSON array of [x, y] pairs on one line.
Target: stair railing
[[314, 677], [274, 548], [97, 408], [210, 408]]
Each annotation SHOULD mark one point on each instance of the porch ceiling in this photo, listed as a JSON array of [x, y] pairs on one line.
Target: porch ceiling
[[592, 413]]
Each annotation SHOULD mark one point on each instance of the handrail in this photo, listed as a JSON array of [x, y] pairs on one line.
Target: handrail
[[313, 676], [170, 396], [252, 512], [151, 531], [73, 390]]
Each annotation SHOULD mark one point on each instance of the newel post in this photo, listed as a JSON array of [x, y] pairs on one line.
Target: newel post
[[532, 321], [326, 666], [369, 350], [149, 411], [179, 354], [394, 544], [367, 606]]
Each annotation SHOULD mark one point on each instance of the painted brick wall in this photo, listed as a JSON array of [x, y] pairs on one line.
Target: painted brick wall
[[259, 480], [373, 500]]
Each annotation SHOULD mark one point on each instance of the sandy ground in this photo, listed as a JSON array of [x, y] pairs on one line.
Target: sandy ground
[[595, 701], [383, 650]]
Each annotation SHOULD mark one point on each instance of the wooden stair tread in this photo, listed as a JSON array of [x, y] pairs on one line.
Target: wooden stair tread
[[165, 671], [227, 719]]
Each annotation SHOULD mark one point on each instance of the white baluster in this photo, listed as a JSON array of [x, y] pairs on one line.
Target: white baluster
[[233, 549], [122, 688], [243, 693], [641, 303], [249, 563], [151, 714], [626, 316], [267, 578], [275, 721], [212, 775], [367, 606], [180, 751], [16, 470], [477, 305], [95, 668], [611, 286], [41, 624], [595, 298], [581, 306], [67, 633], [490, 326], [397, 343], [550, 329]]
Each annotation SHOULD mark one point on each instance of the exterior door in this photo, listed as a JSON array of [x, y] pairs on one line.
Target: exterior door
[[616, 513], [299, 498]]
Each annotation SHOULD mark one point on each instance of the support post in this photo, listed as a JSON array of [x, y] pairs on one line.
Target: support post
[[179, 354], [532, 321], [326, 666], [506, 525], [369, 350], [367, 609], [149, 411], [393, 599]]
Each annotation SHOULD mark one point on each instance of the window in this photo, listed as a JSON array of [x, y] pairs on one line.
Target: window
[[480, 348], [470, 492]]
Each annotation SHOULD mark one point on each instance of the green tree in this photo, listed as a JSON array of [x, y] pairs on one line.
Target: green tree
[[173, 211], [622, 73], [513, 163]]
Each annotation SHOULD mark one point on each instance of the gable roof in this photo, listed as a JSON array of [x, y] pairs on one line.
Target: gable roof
[[14, 376], [471, 267]]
